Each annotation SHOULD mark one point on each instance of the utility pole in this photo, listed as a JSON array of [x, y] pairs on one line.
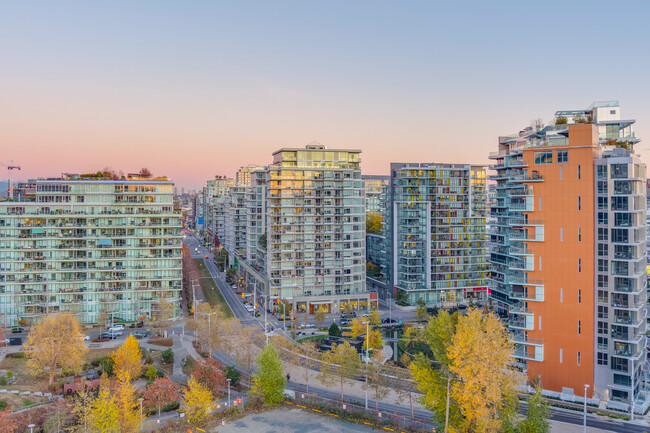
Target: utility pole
[[447, 408], [11, 167], [367, 350], [584, 420]]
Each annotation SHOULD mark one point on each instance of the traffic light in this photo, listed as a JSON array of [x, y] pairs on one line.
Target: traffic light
[[243, 295]]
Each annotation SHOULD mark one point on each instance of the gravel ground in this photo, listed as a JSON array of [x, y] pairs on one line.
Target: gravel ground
[[291, 421]]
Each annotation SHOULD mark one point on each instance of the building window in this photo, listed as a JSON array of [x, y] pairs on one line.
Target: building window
[[618, 171], [578, 357], [603, 295], [602, 187], [602, 172], [579, 296], [602, 358], [540, 263], [602, 218], [602, 328], [602, 203], [561, 356], [578, 172], [603, 280], [579, 203], [540, 204], [579, 265], [620, 235], [561, 173], [579, 234], [540, 322], [603, 265], [544, 157], [562, 156], [602, 343], [579, 327], [602, 234], [561, 233], [561, 294], [603, 311]]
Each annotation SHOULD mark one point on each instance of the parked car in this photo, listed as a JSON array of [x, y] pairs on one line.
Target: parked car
[[116, 328], [306, 326], [344, 322], [110, 334], [389, 321], [206, 256], [140, 334], [15, 341]]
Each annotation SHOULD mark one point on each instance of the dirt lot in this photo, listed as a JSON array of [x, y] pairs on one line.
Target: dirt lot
[[292, 421]]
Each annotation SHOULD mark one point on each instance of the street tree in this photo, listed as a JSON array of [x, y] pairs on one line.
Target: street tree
[[378, 382], [159, 393], [340, 366], [56, 341], [161, 316], [405, 392], [308, 359], [128, 358], [126, 402], [246, 352], [374, 318], [82, 404], [211, 374], [103, 416], [537, 416], [226, 337], [372, 340], [421, 310], [319, 318], [198, 401], [269, 382], [471, 387]]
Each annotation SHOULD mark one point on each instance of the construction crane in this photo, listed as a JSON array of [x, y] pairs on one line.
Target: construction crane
[[10, 168]]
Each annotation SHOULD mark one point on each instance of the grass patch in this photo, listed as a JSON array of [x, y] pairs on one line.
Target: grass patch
[[211, 292], [313, 338]]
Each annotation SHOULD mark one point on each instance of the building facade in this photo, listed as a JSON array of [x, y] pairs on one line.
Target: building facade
[[316, 229], [90, 247], [567, 257], [437, 246]]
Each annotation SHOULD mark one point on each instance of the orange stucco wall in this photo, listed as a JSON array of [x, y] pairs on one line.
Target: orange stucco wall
[[559, 194]]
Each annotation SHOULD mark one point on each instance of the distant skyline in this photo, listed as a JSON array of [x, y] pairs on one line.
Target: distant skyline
[[198, 89]]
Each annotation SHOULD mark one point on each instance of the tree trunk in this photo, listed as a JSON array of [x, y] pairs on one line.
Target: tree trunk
[[52, 374], [341, 390]]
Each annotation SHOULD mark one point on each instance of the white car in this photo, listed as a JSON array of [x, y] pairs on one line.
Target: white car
[[306, 326], [117, 329]]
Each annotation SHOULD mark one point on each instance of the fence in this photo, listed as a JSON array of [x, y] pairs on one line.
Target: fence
[[393, 417]]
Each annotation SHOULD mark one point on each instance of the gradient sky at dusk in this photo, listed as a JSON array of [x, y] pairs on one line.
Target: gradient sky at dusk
[[195, 89]]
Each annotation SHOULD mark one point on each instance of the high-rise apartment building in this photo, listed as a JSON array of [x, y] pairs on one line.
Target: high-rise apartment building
[[316, 229], [437, 246], [568, 256], [236, 212], [90, 246], [375, 189], [243, 177], [216, 202]]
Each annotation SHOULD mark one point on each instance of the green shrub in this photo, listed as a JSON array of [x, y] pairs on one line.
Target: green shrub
[[27, 402], [10, 374], [3, 405], [105, 364], [167, 356], [233, 375], [3, 381], [151, 373], [17, 355]]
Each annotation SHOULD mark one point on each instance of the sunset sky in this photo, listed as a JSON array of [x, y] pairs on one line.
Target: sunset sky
[[199, 88]]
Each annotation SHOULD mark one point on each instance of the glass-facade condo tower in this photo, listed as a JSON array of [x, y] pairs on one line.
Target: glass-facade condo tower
[[316, 229], [90, 247], [436, 232]]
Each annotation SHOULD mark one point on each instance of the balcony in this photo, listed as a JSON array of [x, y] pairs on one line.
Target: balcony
[[530, 353], [536, 295], [522, 322], [521, 337]]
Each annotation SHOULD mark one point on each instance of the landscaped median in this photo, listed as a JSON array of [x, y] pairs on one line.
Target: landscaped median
[[211, 292]]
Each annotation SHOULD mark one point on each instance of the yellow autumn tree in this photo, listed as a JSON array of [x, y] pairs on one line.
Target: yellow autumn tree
[[373, 222], [103, 413], [373, 340], [125, 400], [473, 361], [56, 341], [481, 355], [128, 358], [198, 401]]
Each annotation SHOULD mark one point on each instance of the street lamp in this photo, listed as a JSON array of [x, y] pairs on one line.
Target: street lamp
[[140, 400], [390, 310], [228, 391], [367, 349], [584, 421]]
